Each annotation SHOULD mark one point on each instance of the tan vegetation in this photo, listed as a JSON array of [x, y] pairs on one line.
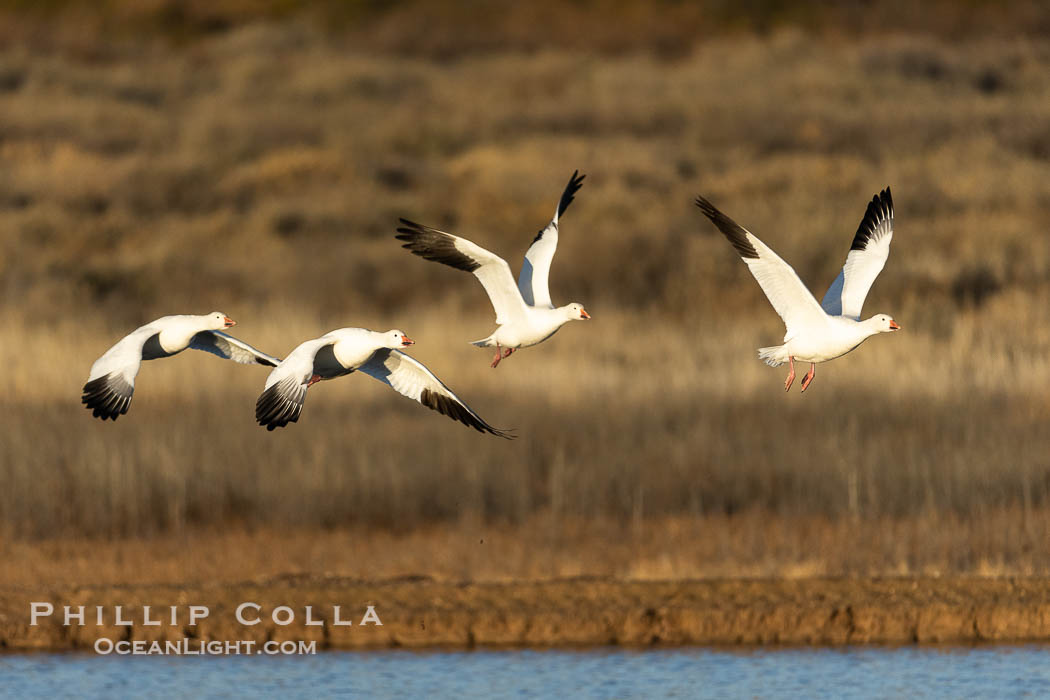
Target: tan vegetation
[[261, 171], [751, 545], [445, 29], [418, 612]]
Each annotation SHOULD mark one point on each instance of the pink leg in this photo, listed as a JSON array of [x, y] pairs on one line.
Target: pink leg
[[508, 352], [313, 380], [809, 377], [497, 358], [791, 374]]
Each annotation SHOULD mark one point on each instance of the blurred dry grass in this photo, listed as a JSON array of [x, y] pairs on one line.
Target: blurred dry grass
[[262, 171], [755, 544], [448, 29]]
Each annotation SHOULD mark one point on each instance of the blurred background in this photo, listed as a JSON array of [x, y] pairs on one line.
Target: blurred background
[[168, 157]]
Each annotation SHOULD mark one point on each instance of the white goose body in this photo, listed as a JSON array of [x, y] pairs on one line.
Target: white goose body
[[349, 350], [354, 346], [838, 336], [525, 315], [832, 328], [537, 325], [111, 381]]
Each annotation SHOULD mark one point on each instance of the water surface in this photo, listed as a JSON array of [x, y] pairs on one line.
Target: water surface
[[985, 671]]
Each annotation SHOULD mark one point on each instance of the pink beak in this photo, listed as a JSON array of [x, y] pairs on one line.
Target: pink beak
[[405, 340], [894, 326], [584, 315], [229, 321]]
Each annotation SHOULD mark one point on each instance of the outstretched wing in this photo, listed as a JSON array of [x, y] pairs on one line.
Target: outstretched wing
[[489, 268], [111, 382], [778, 280], [229, 348], [409, 377], [532, 282], [867, 256], [284, 393]]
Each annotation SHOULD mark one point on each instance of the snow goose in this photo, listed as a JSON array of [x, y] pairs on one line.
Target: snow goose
[[818, 332], [112, 379], [524, 313], [347, 350]]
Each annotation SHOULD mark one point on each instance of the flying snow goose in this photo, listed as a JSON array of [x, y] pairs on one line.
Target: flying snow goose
[[818, 332], [347, 350], [524, 313], [112, 380]]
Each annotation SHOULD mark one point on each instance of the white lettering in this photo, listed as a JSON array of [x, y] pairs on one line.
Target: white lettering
[[338, 621], [37, 610], [370, 616], [79, 616], [198, 612], [288, 618], [310, 617], [240, 613]]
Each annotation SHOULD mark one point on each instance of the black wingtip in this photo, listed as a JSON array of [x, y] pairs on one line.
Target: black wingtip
[[107, 397], [409, 229], [575, 183], [880, 210], [505, 433], [447, 406], [436, 246], [274, 410], [729, 228]]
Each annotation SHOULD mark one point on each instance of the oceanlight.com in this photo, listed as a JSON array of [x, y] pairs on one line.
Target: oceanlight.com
[[196, 647], [183, 617]]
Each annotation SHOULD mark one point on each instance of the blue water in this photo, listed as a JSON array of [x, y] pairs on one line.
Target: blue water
[[906, 672]]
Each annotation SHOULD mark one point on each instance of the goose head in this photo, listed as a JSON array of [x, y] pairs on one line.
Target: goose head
[[575, 312], [883, 323], [396, 339], [217, 320]]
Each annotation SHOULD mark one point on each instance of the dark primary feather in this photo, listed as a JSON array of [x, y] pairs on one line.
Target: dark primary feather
[[732, 230], [386, 363], [108, 396], [575, 183], [880, 210], [431, 244], [280, 404], [447, 406]]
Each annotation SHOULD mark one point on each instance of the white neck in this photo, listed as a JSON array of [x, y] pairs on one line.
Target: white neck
[[870, 327], [177, 336]]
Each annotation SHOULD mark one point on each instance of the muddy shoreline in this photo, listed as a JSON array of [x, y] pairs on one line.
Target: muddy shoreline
[[421, 613]]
